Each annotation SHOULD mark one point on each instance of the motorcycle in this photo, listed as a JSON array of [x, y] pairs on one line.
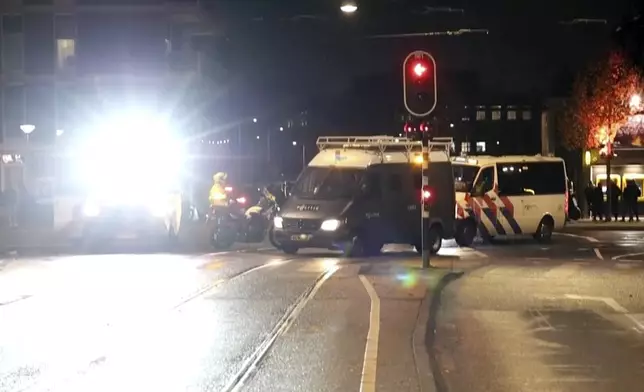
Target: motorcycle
[[236, 224]]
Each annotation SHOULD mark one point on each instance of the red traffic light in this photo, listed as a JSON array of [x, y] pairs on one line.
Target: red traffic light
[[420, 69], [427, 194], [419, 83]]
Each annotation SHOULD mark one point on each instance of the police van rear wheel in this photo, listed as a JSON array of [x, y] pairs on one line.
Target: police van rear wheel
[[435, 241], [544, 230], [465, 233]]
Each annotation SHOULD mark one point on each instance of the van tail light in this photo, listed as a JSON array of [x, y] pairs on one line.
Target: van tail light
[[566, 202]]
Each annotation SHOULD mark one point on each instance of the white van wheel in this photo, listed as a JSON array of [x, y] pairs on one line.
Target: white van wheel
[[544, 230]]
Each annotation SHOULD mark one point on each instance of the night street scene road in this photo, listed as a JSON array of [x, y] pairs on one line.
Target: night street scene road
[[321, 195]]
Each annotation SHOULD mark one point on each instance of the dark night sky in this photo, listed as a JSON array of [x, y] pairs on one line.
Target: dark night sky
[[277, 55]]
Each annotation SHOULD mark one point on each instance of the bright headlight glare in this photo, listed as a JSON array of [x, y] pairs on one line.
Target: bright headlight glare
[[278, 222], [330, 225], [91, 209]]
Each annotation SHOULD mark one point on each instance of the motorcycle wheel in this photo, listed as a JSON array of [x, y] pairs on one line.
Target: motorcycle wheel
[[271, 237], [220, 239]]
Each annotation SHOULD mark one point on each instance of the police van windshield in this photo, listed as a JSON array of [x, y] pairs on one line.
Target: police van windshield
[[464, 176], [328, 183]]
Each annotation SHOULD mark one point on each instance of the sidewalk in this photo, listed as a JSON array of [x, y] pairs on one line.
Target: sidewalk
[[16, 239], [588, 224]]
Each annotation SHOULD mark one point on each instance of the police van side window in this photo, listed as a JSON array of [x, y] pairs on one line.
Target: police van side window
[[372, 187], [485, 181], [531, 178]]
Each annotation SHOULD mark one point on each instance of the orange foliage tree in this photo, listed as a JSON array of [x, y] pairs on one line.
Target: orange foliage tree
[[599, 104]]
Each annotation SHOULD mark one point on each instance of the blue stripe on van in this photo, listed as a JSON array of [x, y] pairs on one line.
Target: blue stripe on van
[[513, 222]]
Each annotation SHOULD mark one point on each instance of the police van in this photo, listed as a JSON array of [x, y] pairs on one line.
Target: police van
[[509, 196], [359, 193]]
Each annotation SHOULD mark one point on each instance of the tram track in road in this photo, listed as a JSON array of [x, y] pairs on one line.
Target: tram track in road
[[98, 359], [251, 363]]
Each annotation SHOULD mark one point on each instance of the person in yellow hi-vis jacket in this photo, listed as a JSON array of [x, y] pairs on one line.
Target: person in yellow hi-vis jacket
[[217, 196]]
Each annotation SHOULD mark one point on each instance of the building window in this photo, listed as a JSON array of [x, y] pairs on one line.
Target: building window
[[14, 111], [65, 52], [12, 43], [65, 42], [496, 115], [480, 147], [480, 115], [512, 114], [526, 115], [465, 119], [465, 147]]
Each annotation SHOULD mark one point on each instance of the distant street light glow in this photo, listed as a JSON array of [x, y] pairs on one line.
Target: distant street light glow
[[281, 129], [257, 137], [294, 143], [635, 101], [348, 7], [254, 120], [59, 132]]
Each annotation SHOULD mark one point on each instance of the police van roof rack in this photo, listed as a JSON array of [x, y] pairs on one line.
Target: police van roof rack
[[383, 143]]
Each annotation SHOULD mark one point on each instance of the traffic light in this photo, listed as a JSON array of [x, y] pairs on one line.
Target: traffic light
[[419, 83], [427, 195]]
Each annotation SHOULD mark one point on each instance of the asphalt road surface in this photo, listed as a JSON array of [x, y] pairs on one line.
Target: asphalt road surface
[[249, 320], [567, 316]]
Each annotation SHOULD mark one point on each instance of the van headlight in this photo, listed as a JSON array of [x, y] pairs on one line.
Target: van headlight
[[278, 222], [330, 225], [91, 209]]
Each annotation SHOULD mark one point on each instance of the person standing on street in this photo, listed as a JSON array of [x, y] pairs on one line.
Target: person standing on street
[[615, 195], [589, 193], [631, 193], [598, 203]]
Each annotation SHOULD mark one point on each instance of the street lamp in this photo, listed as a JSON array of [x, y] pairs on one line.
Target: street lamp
[[281, 129], [254, 120], [27, 129], [349, 7], [59, 132]]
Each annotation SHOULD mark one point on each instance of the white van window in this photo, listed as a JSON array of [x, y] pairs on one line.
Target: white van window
[[328, 183], [484, 182], [531, 178], [464, 176]]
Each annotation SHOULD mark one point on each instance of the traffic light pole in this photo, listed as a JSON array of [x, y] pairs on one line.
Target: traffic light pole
[[425, 251]]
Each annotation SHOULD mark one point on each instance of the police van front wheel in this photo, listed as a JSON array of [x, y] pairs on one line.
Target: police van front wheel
[[465, 233], [435, 240], [544, 230]]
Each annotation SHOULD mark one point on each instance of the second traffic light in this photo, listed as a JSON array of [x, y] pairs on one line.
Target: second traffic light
[[419, 83]]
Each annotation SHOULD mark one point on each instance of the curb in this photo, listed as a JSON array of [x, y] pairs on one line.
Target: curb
[[599, 227], [427, 369]]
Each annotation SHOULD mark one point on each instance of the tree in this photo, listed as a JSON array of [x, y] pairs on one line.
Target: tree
[[599, 106]]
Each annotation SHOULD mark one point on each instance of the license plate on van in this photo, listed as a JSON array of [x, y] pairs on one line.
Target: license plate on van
[[301, 237]]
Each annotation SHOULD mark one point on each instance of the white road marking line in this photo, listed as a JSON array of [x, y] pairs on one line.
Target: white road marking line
[[613, 305], [589, 239], [538, 258], [250, 365], [627, 255], [599, 254], [370, 364]]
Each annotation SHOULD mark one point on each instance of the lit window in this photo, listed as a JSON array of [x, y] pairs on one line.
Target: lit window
[[480, 114], [480, 146], [496, 115], [527, 115], [65, 52], [465, 119], [512, 114], [465, 147], [12, 43]]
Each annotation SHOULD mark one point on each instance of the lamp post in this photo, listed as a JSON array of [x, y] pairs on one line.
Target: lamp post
[[27, 129]]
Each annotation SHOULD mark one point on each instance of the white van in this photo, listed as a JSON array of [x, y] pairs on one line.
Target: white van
[[509, 196], [361, 192]]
